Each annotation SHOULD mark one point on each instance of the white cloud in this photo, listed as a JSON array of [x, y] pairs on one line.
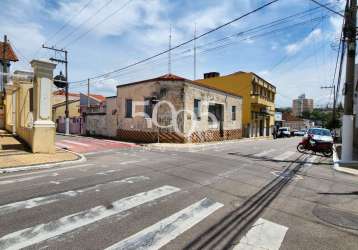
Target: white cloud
[[312, 37], [115, 19]]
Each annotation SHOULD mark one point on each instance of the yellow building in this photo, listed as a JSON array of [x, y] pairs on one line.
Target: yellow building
[[58, 110], [258, 106]]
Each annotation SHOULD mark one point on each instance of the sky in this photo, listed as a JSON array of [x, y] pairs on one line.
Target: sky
[[297, 54]]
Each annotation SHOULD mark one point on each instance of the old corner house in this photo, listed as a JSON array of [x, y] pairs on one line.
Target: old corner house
[[258, 106], [192, 102]]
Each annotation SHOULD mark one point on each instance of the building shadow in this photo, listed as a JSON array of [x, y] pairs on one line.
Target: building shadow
[[226, 232]]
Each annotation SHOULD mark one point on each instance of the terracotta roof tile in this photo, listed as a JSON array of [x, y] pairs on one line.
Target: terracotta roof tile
[[9, 52]]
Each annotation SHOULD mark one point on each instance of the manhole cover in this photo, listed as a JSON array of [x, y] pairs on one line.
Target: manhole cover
[[286, 175], [336, 217]]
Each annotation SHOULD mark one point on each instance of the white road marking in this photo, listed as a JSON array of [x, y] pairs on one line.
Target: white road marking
[[77, 143], [43, 200], [287, 174], [263, 234], [264, 153], [25, 179], [108, 172], [33, 235], [284, 156], [128, 162], [310, 161], [164, 231], [46, 170], [62, 145]]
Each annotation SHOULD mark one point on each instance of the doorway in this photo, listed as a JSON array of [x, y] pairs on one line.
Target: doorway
[[218, 111]]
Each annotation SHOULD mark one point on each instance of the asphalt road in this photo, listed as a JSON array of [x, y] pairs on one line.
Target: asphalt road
[[259, 194]]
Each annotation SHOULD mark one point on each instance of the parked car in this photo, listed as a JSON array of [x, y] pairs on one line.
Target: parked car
[[293, 132], [301, 132], [283, 132], [320, 134]]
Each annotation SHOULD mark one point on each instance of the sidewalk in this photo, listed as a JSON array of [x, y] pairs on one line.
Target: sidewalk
[[346, 167], [14, 153]]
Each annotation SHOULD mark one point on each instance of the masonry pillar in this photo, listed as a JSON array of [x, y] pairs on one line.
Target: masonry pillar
[[43, 138]]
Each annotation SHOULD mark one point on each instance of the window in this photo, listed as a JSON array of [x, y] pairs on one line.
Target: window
[[233, 113], [148, 107], [197, 105], [128, 108], [31, 99]]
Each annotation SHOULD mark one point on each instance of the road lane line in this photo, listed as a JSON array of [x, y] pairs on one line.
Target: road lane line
[[128, 162], [263, 234], [33, 235], [264, 153], [26, 179], [77, 143], [43, 200], [284, 156], [164, 231]]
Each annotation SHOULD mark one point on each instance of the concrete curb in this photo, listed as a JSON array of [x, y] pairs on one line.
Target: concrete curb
[[200, 145], [338, 168], [81, 159]]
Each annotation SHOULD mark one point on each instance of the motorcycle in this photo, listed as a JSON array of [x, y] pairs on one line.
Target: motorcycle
[[309, 144]]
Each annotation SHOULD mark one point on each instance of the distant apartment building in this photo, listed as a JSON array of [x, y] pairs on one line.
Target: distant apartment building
[[187, 111], [258, 105], [301, 104]]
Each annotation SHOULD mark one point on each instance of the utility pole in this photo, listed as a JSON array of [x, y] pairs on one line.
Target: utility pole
[[350, 34], [67, 118], [88, 94], [170, 51], [194, 52], [4, 65], [334, 103]]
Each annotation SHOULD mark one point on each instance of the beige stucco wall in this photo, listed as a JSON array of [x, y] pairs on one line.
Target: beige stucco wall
[[32, 124], [180, 95], [137, 92], [207, 96], [111, 116]]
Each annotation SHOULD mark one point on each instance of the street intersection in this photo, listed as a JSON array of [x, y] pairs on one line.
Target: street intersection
[[249, 194]]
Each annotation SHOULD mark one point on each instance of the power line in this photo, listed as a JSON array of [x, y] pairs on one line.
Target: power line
[[99, 23], [83, 22], [188, 41], [272, 32], [326, 7], [74, 16]]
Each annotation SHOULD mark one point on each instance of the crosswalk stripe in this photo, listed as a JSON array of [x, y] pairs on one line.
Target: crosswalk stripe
[[284, 156], [76, 143], [264, 153], [263, 234], [24, 179], [310, 161], [62, 145], [43, 200], [164, 231], [39, 233]]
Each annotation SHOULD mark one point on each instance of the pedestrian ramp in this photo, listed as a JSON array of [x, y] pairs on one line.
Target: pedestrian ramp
[[155, 236]]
